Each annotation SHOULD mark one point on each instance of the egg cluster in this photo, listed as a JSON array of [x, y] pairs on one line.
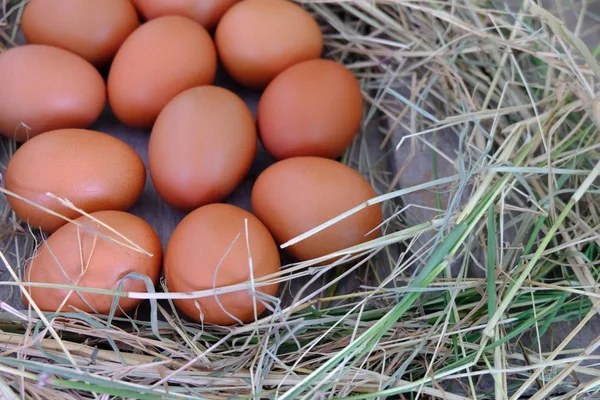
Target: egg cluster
[[202, 144]]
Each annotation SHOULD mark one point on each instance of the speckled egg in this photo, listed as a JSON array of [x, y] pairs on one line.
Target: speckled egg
[[161, 59], [93, 256], [258, 39], [201, 147], [92, 29], [313, 108], [211, 248], [206, 12], [93, 170], [46, 88], [298, 194]]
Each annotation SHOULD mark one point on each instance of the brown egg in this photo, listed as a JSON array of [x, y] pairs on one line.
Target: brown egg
[[296, 195], [158, 61], [92, 29], [93, 170], [258, 39], [94, 257], [201, 147], [206, 12], [208, 250], [46, 88], [311, 109]]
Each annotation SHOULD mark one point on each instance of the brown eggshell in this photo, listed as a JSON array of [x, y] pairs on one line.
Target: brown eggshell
[[211, 237], [313, 108], [92, 29], [201, 147], [46, 88], [161, 59], [93, 170], [258, 39], [89, 257], [298, 194], [206, 12]]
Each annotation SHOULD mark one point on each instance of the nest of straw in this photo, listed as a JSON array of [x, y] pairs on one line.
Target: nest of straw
[[455, 304]]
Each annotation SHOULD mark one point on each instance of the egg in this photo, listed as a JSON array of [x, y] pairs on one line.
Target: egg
[[92, 29], [93, 256], [206, 12], [93, 170], [46, 88], [313, 108], [210, 248], [159, 60], [258, 39], [201, 146], [298, 194]]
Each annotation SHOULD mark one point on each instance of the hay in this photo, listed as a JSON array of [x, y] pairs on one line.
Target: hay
[[518, 92]]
